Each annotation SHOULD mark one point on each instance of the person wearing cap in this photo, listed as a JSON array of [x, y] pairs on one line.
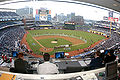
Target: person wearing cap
[[20, 64], [47, 67]]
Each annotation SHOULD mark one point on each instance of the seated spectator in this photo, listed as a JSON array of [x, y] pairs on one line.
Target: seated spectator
[[20, 64], [96, 62], [3, 57], [109, 57], [14, 53], [102, 56], [47, 67]]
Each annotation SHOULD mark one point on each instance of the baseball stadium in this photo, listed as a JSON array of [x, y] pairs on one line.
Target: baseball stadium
[[59, 40]]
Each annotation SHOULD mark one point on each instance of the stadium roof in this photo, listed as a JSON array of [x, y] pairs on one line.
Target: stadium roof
[[111, 4], [3, 0]]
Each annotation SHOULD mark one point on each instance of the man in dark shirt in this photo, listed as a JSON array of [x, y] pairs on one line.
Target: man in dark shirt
[[109, 57], [96, 62], [20, 64]]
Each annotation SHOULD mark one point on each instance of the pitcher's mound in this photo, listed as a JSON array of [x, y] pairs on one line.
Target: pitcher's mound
[[46, 49]]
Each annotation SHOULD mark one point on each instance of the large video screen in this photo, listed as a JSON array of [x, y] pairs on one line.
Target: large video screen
[[59, 55]]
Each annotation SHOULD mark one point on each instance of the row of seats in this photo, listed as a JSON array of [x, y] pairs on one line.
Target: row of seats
[[2, 24], [3, 14]]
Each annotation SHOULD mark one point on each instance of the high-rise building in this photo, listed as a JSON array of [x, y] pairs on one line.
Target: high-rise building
[[55, 18], [78, 20], [62, 18], [72, 14], [25, 12], [68, 17]]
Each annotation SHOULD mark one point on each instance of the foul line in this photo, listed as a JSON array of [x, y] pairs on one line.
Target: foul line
[[38, 42]]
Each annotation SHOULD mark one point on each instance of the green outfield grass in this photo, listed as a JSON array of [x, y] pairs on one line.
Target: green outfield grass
[[89, 37], [33, 44]]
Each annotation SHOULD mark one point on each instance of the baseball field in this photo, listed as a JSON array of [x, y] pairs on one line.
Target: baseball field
[[54, 40]]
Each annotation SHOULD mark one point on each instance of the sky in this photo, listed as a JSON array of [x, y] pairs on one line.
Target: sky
[[87, 12]]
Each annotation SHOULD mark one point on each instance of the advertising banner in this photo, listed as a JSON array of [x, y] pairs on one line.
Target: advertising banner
[[37, 18], [111, 14]]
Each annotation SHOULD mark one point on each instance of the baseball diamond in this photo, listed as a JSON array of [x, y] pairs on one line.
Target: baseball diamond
[[75, 39]]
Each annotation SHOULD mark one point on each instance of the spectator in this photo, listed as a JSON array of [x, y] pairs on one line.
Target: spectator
[[47, 67], [20, 64], [3, 57], [109, 57], [96, 62], [14, 53]]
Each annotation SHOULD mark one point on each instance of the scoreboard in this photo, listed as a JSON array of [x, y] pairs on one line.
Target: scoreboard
[[44, 14]]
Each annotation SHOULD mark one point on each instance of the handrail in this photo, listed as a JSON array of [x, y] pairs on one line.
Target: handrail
[[55, 76]]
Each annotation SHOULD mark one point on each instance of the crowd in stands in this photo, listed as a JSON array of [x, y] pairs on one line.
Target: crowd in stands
[[10, 38], [104, 24], [82, 28], [103, 30], [113, 40]]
